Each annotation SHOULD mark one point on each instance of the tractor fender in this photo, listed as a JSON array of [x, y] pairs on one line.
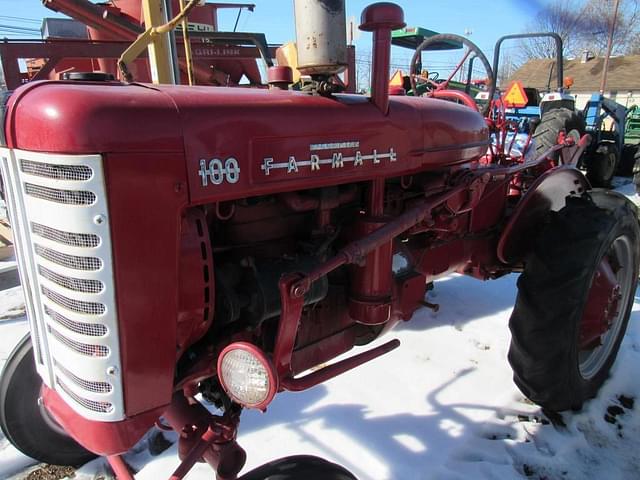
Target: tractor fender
[[548, 193]]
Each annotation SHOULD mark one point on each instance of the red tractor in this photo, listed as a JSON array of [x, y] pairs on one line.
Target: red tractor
[[180, 243]]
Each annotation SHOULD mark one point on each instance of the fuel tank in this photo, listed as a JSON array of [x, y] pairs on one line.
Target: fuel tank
[[246, 142]]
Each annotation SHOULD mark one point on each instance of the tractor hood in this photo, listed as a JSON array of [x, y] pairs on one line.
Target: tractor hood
[[243, 142]]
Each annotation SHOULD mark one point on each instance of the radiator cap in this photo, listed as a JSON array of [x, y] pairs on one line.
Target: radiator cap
[[88, 76]]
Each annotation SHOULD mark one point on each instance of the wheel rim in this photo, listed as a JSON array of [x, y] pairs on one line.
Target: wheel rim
[[592, 358]]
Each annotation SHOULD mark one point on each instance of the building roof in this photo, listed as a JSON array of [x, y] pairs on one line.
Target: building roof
[[624, 74]]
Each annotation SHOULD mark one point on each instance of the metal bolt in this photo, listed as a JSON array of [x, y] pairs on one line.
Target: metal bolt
[[298, 291], [99, 219], [112, 371]]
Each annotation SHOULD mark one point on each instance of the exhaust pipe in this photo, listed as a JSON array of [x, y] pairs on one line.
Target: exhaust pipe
[[381, 18]]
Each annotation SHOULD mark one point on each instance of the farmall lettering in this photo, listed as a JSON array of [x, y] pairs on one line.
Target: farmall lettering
[[217, 172], [328, 156]]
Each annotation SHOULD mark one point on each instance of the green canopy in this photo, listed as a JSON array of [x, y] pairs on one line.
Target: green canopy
[[412, 37]]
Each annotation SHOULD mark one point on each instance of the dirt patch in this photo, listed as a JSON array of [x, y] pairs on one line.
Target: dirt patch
[[51, 472]]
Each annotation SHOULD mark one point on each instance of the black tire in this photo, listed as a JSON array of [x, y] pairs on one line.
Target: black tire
[[299, 467], [636, 171], [25, 423], [548, 365], [627, 160], [552, 123], [602, 165]]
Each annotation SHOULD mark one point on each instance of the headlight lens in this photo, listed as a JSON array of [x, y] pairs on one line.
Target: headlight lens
[[247, 375]]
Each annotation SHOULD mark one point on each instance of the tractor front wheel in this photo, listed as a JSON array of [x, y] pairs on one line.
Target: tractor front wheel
[[574, 301], [25, 422]]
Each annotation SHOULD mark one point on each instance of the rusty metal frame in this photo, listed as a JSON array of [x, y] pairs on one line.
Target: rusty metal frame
[[56, 50]]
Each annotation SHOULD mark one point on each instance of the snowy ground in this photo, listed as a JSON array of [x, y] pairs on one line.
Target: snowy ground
[[442, 406]]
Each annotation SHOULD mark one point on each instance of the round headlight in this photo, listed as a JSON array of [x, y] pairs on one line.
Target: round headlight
[[247, 375]]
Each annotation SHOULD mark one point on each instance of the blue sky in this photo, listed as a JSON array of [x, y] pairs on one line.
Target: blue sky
[[486, 19]]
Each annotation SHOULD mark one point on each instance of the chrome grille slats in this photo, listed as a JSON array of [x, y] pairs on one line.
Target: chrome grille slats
[[82, 328], [96, 406], [78, 306], [56, 171], [95, 387], [69, 197], [89, 350], [73, 262], [66, 238], [65, 259], [71, 283]]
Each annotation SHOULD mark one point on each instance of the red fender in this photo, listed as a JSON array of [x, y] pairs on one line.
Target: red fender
[[547, 193]]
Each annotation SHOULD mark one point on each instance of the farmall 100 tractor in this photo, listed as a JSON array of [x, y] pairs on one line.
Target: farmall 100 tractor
[[180, 245]]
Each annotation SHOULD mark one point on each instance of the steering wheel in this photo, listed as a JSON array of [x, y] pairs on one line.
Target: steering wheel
[[443, 85]]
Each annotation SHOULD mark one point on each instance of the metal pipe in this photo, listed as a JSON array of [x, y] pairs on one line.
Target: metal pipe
[[612, 28], [119, 467], [187, 45], [326, 373], [381, 19], [94, 16], [556, 38]]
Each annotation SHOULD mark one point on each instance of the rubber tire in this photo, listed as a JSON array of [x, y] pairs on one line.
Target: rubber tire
[[627, 160], [636, 171], [551, 124], [23, 421], [299, 467], [602, 165], [552, 293]]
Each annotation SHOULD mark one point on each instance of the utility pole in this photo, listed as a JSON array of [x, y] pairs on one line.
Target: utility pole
[[612, 28]]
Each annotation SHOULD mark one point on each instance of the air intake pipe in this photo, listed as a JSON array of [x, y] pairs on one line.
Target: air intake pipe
[[381, 18]]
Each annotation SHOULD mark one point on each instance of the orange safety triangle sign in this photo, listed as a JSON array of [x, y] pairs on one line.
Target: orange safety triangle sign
[[397, 79], [515, 95]]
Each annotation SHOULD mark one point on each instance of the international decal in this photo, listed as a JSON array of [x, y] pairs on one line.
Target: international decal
[[327, 156]]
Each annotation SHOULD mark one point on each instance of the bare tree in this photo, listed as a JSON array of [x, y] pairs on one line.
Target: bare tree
[[598, 15], [559, 17], [584, 27]]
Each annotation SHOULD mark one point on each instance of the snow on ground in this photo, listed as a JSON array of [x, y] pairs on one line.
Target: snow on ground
[[442, 406]]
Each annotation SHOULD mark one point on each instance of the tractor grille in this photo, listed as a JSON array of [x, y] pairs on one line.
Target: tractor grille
[[66, 238], [57, 195], [70, 261], [75, 284], [83, 328], [65, 260], [92, 405], [58, 172]]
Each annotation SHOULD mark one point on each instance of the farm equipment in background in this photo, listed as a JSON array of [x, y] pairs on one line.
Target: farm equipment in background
[[181, 243], [219, 58], [411, 38], [533, 123], [632, 126], [607, 154]]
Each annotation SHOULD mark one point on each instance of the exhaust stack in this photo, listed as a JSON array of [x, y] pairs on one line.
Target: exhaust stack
[[381, 18]]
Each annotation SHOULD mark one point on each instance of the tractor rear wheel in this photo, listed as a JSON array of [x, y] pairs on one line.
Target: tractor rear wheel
[[551, 124], [602, 165], [574, 301], [25, 422]]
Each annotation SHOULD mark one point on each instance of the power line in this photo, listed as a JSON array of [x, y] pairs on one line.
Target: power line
[[19, 29], [21, 19]]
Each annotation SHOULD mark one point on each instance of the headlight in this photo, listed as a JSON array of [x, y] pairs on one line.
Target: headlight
[[247, 375]]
